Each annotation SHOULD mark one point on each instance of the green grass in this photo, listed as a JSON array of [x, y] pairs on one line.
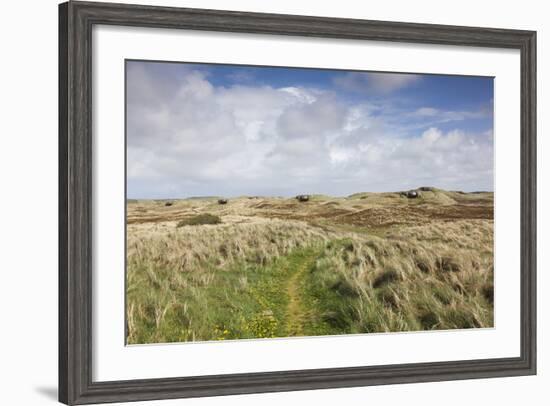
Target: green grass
[[246, 301], [392, 299], [311, 291], [259, 277]]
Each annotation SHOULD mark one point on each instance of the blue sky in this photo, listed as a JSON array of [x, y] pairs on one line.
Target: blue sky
[[204, 129]]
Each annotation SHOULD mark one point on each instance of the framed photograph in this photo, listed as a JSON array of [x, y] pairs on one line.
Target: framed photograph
[[257, 202]]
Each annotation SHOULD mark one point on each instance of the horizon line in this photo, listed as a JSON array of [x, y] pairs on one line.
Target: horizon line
[[309, 194]]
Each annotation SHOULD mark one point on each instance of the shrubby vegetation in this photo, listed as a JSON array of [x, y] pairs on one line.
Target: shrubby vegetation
[[200, 219]]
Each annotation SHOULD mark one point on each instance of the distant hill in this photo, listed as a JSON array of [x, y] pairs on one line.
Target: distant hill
[[202, 198]]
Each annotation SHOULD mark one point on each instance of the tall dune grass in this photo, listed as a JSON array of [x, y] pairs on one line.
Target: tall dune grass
[[228, 280], [438, 276], [189, 283]]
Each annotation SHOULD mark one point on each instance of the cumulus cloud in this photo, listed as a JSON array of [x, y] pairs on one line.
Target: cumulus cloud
[[188, 137], [443, 116], [375, 82]]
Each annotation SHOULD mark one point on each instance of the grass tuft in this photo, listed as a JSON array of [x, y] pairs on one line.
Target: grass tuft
[[386, 277], [199, 219]]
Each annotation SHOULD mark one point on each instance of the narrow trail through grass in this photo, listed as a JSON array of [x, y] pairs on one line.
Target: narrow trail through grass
[[297, 313], [265, 267]]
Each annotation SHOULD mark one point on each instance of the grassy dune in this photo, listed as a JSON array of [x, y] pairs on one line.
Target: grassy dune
[[276, 267]]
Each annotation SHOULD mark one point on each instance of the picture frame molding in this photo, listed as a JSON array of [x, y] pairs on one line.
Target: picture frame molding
[[76, 20]]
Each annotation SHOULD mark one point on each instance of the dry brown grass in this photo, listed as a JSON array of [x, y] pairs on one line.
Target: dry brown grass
[[375, 210], [381, 262]]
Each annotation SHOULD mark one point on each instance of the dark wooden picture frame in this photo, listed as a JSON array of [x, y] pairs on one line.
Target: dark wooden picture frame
[[76, 20]]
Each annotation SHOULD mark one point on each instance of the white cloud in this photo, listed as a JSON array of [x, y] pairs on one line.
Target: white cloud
[[375, 82], [302, 95], [313, 119], [443, 116], [426, 112], [188, 137]]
